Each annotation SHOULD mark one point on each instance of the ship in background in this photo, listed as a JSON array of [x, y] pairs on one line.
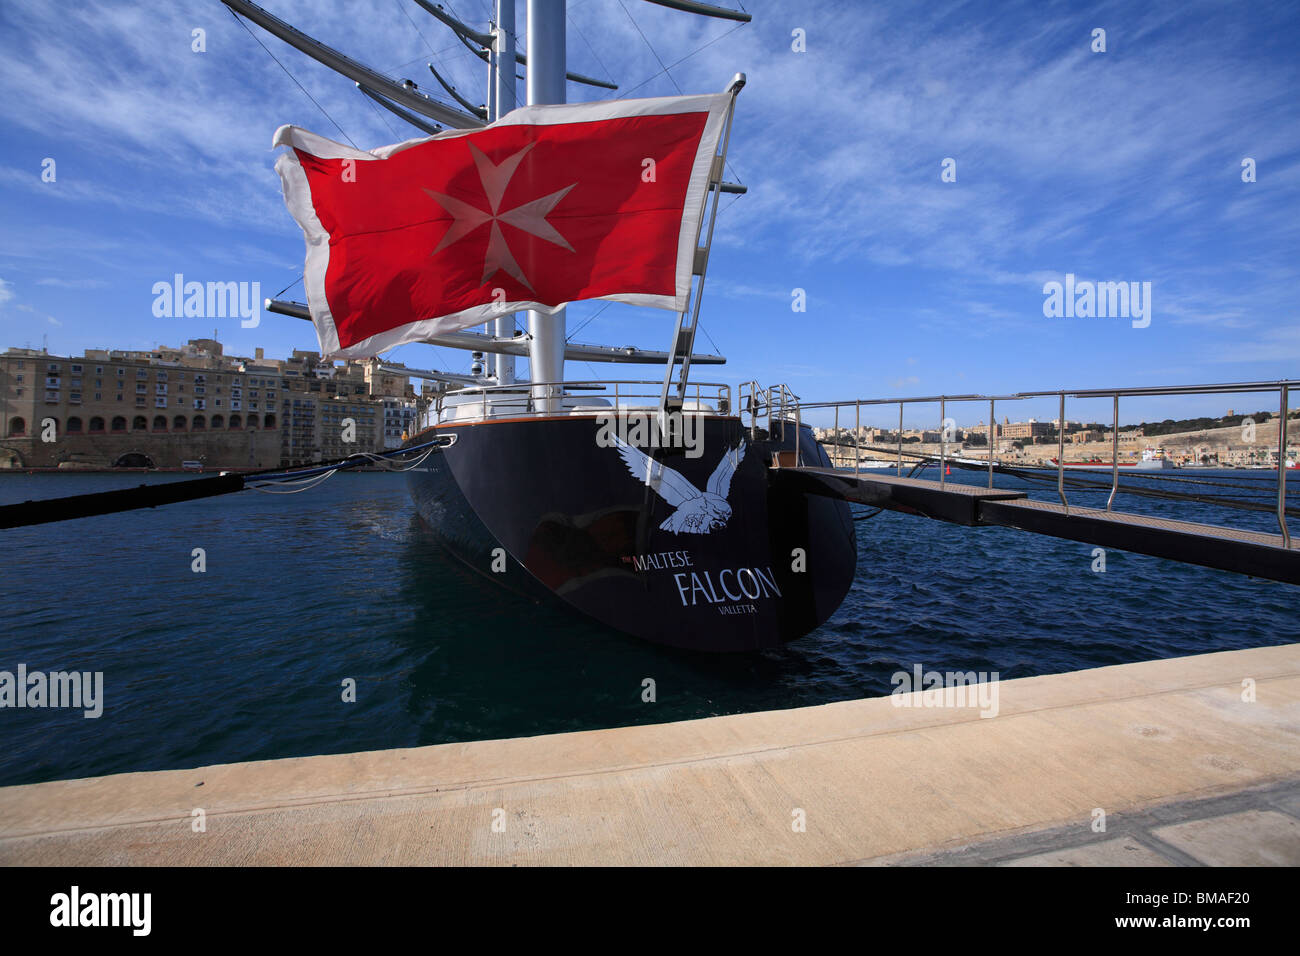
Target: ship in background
[[1153, 459], [709, 551]]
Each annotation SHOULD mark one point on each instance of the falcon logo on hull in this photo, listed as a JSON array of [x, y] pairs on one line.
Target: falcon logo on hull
[[698, 512]]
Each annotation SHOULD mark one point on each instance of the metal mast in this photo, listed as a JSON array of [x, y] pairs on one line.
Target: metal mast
[[546, 75], [503, 101]]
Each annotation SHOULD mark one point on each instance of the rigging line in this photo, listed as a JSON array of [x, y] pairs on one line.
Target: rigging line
[[432, 51], [420, 59], [413, 25], [570, 336], [716, 350], [665, 69], [651, 48], [384, 119], [629, 92], [734, 200], [288, 287], [608, 75], [292, 77]]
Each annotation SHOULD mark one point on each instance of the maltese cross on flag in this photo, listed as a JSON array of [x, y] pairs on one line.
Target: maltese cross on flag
[[548, 205]]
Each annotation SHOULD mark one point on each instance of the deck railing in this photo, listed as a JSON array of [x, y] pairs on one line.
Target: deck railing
[[1282, 388], [519, 401]]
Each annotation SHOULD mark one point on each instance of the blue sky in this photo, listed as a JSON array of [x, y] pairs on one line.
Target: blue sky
[[1115, 166]]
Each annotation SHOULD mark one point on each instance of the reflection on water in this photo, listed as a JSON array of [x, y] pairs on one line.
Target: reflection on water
[[247, 660]]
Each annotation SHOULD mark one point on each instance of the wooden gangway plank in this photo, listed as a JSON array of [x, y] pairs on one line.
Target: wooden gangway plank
[[1255, 553], [945, 501]]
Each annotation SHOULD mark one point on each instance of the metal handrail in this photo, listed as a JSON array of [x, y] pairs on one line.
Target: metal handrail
[[623, 389], [1282, 386], [1208, 389]]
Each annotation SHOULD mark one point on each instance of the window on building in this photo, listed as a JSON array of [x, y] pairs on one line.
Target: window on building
[[199, 423], [17, 426], [138, 424], [178, 423], [236, 421], [160, 423], [97, 424], [218, 421], [74, 425]]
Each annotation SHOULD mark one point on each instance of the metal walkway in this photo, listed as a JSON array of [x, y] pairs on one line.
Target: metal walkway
[[1226, 549]]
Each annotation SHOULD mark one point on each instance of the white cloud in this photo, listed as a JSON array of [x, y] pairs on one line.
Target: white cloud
[[82, 283], [1273, 345]]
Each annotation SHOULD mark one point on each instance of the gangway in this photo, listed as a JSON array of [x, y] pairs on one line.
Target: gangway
[[1246, 551]]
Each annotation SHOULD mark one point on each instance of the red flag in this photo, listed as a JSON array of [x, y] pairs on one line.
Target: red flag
[[548, 205]]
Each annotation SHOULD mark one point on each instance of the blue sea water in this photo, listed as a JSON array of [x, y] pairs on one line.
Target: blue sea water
[[246, 660]]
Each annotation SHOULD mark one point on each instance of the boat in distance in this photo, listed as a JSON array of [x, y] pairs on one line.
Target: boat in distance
[[1153, 459]]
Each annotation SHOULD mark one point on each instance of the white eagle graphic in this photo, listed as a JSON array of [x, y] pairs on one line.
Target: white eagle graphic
[[698, 512]]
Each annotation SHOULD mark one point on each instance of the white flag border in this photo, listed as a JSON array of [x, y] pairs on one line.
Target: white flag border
[[297, 196]]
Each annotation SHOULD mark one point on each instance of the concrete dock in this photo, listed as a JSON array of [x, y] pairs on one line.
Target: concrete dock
[[1192, 761]]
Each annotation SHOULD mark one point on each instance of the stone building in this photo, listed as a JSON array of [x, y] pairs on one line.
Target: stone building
[[169, 406], [159, 409]]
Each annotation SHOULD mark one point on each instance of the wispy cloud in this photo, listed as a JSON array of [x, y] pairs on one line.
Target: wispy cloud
[[73, 283], [1123, 165]]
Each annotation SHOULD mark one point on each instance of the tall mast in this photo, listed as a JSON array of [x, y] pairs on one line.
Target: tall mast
[[546, 69], [503, 101]]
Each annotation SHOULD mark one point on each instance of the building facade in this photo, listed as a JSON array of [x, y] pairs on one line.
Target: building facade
[[170, 406]]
